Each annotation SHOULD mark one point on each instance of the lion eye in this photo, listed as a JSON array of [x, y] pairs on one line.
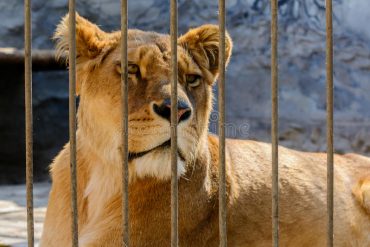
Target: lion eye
[[131, 69], [193, 80]]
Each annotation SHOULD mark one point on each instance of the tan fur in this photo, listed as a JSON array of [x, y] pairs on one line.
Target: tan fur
[[302, 175], [362, 193]]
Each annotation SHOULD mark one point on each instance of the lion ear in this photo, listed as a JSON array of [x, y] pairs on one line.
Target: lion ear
[[90, 39], [203, 44]]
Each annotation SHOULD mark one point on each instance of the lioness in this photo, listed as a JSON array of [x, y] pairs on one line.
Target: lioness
[[302, 175]]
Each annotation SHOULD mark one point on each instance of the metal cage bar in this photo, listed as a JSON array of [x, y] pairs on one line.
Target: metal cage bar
[[221, 125], [174, 121], [329, 122], [72, 119], [124, 93], [275, 123], [174, 177], [29, 119]]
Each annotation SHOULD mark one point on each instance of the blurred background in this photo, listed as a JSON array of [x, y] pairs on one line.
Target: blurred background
[[301, 64]]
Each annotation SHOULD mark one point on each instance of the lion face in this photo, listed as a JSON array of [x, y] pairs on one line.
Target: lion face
[[149, 90]]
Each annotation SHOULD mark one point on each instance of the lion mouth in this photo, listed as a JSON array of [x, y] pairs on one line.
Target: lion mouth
[[164, 145]]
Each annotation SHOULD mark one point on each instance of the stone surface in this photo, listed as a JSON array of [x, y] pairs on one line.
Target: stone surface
[[301, 64], [13, 213]]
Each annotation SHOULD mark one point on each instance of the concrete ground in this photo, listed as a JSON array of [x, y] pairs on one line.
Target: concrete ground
[[13, 223]]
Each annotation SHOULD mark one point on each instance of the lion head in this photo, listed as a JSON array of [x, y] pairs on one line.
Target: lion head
[[98, 67]]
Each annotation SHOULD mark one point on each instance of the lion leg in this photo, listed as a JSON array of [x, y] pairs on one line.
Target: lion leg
[[57, 226], [57, 230]]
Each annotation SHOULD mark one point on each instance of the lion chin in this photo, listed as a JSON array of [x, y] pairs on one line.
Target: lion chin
[[157, 164], [155, 159], [302, 194]]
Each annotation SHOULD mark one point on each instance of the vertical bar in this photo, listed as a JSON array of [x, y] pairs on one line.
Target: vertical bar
[[329, 121], [274, 123], [72, 119], [124, 93], [174, 181], [29, 119], [221, 125]]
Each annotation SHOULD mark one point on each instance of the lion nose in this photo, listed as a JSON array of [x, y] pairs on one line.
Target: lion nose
[[164, 110]]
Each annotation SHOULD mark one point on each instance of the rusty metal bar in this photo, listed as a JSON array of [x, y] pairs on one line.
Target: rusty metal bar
[[41, 59], [29, 118], [275, 123], [174, 177], [221, 125], [329, 122], [72, 119], [124, 93]]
